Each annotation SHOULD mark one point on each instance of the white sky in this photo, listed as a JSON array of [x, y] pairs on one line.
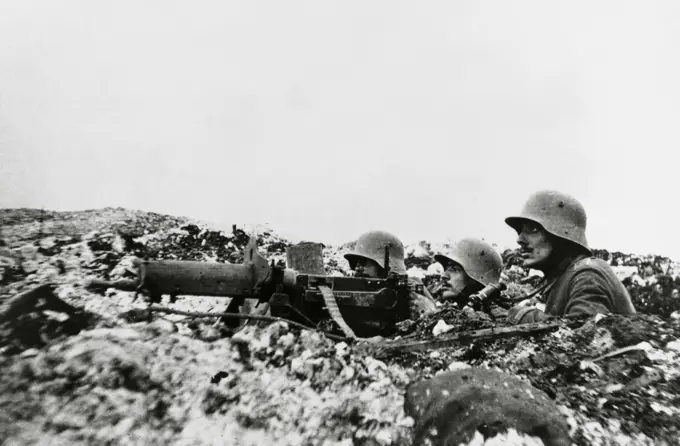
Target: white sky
[[430, 119]]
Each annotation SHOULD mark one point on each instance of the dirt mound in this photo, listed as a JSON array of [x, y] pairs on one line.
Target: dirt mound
[[126, 385], [92, 376]]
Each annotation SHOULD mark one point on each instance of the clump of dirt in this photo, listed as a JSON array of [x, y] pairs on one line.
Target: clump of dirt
[[462, 319], [451, 407], [39, 328], [635, 329], [36, 318], [95, 387]]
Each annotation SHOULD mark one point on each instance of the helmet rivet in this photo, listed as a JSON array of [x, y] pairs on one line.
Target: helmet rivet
[[561, 204]]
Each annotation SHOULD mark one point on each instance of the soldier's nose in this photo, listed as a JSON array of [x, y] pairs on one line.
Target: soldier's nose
[[521, 240]]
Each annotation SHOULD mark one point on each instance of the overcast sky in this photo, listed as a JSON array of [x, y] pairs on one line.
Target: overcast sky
[[430, 119]]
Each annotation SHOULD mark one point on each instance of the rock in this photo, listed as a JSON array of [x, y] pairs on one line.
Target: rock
[[7, 263], [161, 327], [28, 252], [384, 437], [59, 264], [302, 366], [287, 340], [452, 406], [55, 315], [9, 258], [48, 243], [118, 244], [137, 315], [457, 365], [208, 333], [441, 327], [90, 236], [123, 334], [123, 428], [99, 362], [69, 420], [469, 313], [30, 266], [30, 353]]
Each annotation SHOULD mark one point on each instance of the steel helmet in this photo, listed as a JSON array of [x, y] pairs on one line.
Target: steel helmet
[[371, 245], [559, 214], [478, 258]]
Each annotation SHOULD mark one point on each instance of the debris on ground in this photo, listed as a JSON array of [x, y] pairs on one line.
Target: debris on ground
[[85, 367]]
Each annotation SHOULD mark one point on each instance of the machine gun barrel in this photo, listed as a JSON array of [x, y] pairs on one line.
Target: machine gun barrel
[[195, 278]]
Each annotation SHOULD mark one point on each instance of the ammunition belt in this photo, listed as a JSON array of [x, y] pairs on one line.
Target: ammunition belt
[[334, 311]]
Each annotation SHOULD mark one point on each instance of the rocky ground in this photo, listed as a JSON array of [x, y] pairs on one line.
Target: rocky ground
[[86, 368]]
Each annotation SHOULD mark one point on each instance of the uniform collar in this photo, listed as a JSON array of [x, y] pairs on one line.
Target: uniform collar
[[563, 265]]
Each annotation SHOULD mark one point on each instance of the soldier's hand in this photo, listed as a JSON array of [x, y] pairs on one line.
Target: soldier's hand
[[516, 313], [499, 313]]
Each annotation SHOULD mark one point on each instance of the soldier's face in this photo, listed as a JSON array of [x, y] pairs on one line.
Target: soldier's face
[[367, 268], [535, 246], [454, 280]]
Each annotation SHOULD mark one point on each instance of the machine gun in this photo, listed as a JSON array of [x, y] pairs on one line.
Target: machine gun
[[360, 306]]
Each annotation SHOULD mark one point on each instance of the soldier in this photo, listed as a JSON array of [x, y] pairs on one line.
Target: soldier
[[551, 234], [469, 265], [368, 257]]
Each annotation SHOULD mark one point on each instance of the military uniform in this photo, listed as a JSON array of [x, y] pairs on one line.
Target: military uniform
[[579, 284], [586, 287]]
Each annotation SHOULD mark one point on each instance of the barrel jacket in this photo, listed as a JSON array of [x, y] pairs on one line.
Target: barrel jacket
[[587, 286]]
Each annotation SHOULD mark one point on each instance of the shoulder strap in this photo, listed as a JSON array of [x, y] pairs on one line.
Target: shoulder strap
[[584, 263]]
